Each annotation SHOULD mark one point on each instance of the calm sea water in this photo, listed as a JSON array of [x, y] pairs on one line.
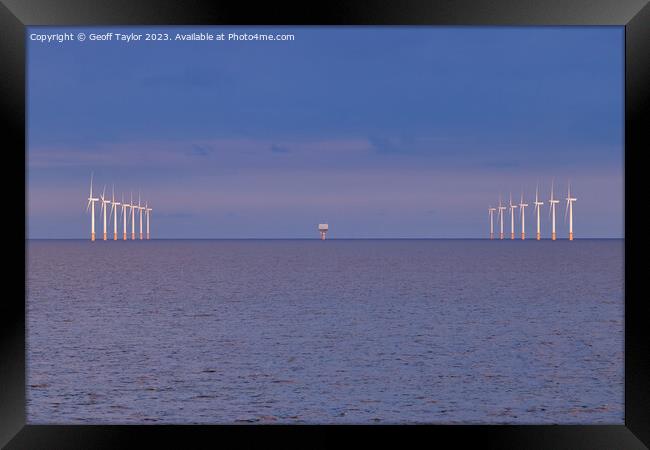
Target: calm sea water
[[341, 331]]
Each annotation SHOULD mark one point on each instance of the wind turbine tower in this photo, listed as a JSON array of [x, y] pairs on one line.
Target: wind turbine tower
[[91, 205], [125, 209], [552, 202], [491, 213], [103, 209], [114, 211], [512, 218], [147, 210], [132, 219], [538, 210], [569, 209], [522, 208], [140, 208], [501, 209], [323, 228]]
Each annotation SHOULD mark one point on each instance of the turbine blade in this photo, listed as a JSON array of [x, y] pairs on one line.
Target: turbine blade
[[552, 186]]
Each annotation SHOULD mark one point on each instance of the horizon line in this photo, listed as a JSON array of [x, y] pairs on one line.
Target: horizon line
[[316, 239]]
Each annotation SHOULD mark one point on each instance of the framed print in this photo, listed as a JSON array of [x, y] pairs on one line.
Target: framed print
[[271, 222]]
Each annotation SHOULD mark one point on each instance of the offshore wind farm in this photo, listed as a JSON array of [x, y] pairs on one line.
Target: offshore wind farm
[[537, 211], [114, 211], [323, 228]]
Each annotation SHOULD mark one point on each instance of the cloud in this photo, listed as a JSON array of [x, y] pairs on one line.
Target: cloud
[[279, 149], [234, 153], [201, 150], [391, 144], [432, 145], [500, 164], [176, 215]]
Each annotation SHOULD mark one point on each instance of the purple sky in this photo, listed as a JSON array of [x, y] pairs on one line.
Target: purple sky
[[381, 131]]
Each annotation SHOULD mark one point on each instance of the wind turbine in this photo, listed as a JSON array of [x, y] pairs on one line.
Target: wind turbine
[[147, 210], [91, 205], [125, 208], [132, 206], [522, 207], [114, 211], [140, 208], [569, 209], [512, 218], [491, 213], [538, 210], [552, 202], [501, 209], [103, 209]]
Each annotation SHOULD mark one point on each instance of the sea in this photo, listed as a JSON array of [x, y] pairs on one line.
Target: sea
[[325, 332]]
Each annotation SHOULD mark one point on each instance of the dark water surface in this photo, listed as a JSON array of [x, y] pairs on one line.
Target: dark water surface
[[341, 331]]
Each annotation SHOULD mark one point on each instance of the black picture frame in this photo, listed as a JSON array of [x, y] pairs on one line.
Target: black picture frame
[[634, 15]]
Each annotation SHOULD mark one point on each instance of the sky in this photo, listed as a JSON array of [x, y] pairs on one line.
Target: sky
[[382, 132]]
